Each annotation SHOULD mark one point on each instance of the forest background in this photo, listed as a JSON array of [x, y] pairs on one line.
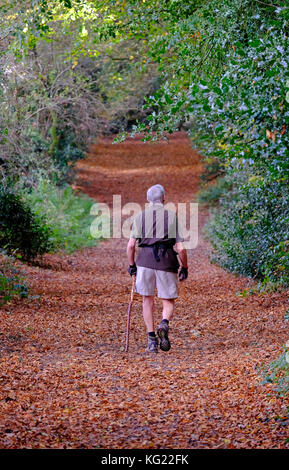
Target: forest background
[[72, 70]]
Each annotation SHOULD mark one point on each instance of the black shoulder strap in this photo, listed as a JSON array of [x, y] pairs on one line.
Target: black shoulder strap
[[143, 231]]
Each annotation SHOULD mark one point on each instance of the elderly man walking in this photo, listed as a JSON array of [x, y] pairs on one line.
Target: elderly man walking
[[157, 232]]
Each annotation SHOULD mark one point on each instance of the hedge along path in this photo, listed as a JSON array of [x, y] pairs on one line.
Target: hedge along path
[[65, 379]]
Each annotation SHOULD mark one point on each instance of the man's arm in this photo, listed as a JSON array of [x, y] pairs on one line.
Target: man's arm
[[130, 251], [182, 253]]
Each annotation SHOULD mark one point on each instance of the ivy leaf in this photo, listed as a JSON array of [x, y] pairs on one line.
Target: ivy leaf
[[168, 99]]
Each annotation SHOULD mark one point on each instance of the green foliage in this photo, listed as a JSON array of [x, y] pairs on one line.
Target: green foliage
[[217, 68], [43, 113], [65, 156], [12, 283], [211, 195], [32, 162], [277, 372], [20, 228], [250, 229], [213, 168], [237, 92], [35, 221], [66, 213], [286, 315], [224, 77], [67, 151], [60, 85]]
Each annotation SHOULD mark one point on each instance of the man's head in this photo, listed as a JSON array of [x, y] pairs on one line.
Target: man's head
[[156, 193]]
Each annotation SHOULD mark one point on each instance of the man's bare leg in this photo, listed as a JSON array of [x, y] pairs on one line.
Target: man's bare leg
[[148, 315], [168, 308], [148, 312]]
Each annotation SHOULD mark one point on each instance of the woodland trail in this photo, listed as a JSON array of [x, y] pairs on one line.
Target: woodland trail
[[65, 379]]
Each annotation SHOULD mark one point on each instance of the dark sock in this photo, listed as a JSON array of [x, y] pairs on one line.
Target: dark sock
[[152, 334], [165, 321]]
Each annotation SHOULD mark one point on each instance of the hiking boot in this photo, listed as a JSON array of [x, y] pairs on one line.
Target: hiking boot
[[152, 344], [162, 331]]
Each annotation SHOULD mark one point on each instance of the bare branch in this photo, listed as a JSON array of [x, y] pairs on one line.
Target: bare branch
[[269, 4]]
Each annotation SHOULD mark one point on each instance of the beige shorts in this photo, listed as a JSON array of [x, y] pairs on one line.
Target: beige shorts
[[148, 279]]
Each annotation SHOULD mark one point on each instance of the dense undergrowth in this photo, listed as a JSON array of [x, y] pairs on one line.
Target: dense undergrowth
[[40, 220], [57, 92], [249, 227], [12, 279], [66, 213]]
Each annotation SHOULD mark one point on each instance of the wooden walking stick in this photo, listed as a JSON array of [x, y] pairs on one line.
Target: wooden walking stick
[[128, 312]]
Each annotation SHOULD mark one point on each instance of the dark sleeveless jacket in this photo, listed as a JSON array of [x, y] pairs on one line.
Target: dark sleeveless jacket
[[157, 231]]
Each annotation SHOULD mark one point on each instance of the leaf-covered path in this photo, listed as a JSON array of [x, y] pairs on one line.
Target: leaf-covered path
[[65, 379]]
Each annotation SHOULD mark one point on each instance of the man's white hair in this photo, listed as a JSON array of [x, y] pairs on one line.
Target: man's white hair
[[156, 193]]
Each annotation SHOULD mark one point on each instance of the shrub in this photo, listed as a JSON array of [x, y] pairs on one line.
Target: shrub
[[11, 281], [67, 213], [20, 228], [277, 372], [211, 195], [250, 231], [213, 168], [65, 156]]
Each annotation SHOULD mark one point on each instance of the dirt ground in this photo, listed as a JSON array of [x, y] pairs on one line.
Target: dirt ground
[[65, 380]]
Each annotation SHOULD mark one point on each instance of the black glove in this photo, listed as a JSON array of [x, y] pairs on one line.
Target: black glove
[[183, 274], [132, 270]]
